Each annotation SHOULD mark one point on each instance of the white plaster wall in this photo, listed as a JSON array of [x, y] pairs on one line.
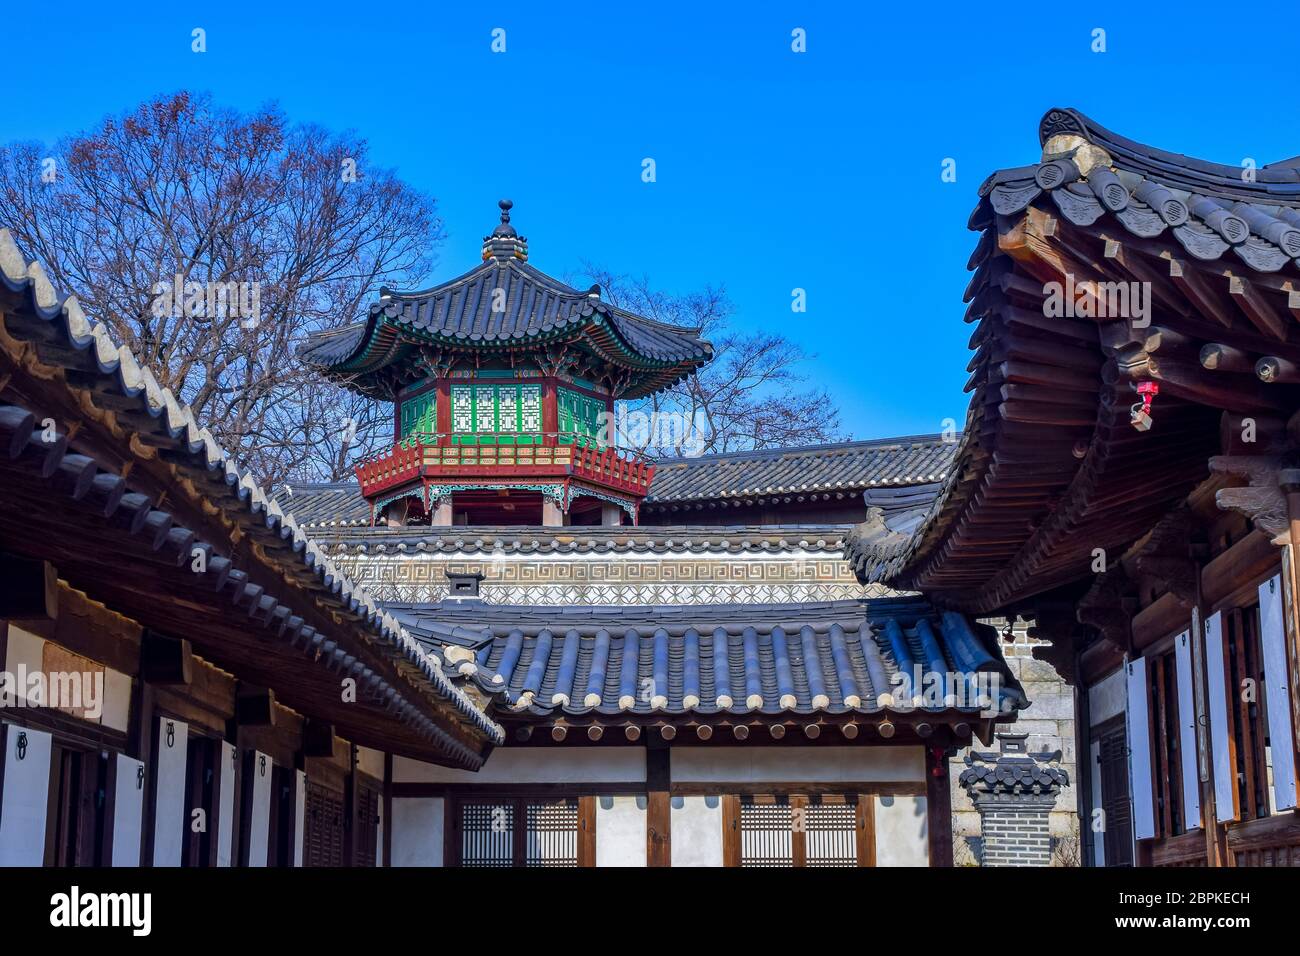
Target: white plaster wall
[[371, 762], [696, 828], [620, 831], [902, 837], [534, 765], [1106, 698], [26, 651], [418, 824], [782, 764], [117, 700]]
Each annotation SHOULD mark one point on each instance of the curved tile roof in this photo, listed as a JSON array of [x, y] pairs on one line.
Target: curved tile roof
[[1154, 208], [837, 466], [1211, 210], [501, 305], [241, 495], [827, 657]]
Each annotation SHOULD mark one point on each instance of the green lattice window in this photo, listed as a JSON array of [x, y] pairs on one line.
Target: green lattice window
[[419, 415], [496, 414], [579, 417]]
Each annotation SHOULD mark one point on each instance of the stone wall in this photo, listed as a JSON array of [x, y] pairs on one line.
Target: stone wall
[[1049, 723]]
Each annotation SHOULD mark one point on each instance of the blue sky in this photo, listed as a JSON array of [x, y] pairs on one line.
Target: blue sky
[[775, 170]]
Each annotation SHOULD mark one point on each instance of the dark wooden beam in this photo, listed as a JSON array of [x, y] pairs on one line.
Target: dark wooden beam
[[1194, 286], [318, 738], [28, 589], [1275, 370], [1224, 358], [165, 660], [1257, 309], [255, 706]]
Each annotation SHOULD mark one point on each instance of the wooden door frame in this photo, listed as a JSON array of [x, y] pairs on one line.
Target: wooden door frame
[[864, 828], [586, 829]]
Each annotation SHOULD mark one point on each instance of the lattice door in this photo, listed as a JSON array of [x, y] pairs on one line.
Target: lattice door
[[487, 834], [766, 834], [831, 834], [552, 834], [323, 827]]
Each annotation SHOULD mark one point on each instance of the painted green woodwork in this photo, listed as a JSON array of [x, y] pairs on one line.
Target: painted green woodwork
[[579, 415], [490, 414], [419, 414]]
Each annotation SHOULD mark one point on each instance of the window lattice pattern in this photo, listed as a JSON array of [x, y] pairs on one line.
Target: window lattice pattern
[[552, 831], [766, 837], [487, 834], [831, 834], [496, 414], [420, 414], [579, 415]]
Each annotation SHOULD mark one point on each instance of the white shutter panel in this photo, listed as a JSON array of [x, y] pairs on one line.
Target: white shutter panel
[[25, 798], [229, 758], [128, 811], [1138, 723], [1098, 839], [299, 814], [1221, 698], [1191, 773], [169, 804], [1272, 637], [260, 820]]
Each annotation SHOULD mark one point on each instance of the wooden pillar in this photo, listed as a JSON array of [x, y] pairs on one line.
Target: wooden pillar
[[658, 824], [350, 809], [938, 805], [1216, 838], [387, 859]]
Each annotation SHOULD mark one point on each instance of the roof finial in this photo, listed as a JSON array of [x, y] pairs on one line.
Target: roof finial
[[505, 242]]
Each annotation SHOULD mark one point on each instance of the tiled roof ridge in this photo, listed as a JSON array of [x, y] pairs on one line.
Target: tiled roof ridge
[[136, 381], [847, 445], [831, 657], [1161, 163]]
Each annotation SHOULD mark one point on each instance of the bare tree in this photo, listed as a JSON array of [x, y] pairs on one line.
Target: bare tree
[[176, 220], [750, 396]]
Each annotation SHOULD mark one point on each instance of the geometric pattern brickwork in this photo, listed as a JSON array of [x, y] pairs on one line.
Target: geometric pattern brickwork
[[616, 580]]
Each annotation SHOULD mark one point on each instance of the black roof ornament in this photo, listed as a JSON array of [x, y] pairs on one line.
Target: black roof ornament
[[505, 242], [505, 230]]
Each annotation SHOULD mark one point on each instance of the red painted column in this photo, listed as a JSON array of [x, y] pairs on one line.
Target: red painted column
[[550, 411], [442, 413]]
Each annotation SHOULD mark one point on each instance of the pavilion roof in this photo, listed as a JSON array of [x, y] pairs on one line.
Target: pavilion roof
[[506, 309]]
